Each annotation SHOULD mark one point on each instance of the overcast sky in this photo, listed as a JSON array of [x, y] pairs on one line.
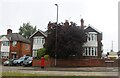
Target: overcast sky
[[101, 14]]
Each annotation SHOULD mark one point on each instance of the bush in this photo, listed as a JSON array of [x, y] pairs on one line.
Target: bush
[[41, 52], [46, 57]]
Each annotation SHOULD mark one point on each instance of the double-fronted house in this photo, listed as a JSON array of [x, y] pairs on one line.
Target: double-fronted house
[[13, 45], [37, 41]]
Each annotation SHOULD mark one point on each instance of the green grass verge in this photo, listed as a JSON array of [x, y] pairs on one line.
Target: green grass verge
[[27, 75], [19, 74]]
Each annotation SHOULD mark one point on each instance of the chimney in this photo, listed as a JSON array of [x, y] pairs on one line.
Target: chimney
[[9, 31], [66, 23], [82, 23]]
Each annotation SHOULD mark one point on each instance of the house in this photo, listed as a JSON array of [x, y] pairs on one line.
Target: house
[[13, 45], [93, 46], [37, 41]]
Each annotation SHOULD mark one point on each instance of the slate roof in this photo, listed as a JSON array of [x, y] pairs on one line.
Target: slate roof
[[17, 37], [93, 29]]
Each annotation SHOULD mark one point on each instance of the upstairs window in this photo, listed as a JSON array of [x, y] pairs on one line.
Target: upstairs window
[[38, 40], [5, 43], [27, 46], [43, 41], [92, 37], [14, 43]]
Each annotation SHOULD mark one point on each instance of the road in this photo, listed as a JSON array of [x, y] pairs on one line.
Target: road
[[81, 71]]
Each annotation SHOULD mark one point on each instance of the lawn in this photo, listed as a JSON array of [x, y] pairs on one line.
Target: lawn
[[26, 75]]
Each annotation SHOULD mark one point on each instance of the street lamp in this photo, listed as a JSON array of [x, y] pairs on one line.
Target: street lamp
[[57, 13], [56, 35]]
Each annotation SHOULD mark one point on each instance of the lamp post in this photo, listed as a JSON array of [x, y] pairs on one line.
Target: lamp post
[[56, 36], [57, 13]]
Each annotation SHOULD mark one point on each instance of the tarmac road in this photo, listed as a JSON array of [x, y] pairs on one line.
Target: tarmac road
[[79, 71]]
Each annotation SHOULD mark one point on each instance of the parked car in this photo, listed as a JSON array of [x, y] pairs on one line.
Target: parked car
[[20, 60], [28, 62], [8, 62]]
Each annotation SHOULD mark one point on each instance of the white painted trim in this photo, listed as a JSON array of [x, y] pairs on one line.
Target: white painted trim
[[40, 32]]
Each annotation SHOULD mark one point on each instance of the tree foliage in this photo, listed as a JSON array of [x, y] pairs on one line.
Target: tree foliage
[[41, 52], [26, 30], [70, 39]]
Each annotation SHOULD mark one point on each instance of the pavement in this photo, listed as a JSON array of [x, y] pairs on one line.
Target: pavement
[[59, 71]]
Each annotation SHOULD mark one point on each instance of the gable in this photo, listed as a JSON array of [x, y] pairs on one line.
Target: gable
[[91, 29], [4, 38], [38, 33]]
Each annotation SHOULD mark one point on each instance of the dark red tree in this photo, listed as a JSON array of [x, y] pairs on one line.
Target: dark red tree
[[68, 41]]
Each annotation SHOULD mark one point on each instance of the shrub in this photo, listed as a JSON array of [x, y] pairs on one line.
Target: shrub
[[46, 57], [41, 52]]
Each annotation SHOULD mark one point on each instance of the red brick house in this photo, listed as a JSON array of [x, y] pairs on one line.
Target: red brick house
[[13, 45]]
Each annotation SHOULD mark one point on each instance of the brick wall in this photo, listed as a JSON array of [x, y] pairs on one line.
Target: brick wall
[[38, 62], [20, 49], [26, 49], [82, 63]]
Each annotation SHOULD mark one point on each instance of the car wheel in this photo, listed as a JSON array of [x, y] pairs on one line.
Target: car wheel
[[21, 64]]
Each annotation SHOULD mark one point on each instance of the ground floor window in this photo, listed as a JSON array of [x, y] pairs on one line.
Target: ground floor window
[[90, 51], [5, 54], [34, 54]]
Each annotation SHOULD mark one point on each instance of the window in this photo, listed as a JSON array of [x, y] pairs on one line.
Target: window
[[27, 47], [14, 43], [43, 40], [5, 43], [92, 37], [4, 54], [34, 53], [90, 51], [38, 40]]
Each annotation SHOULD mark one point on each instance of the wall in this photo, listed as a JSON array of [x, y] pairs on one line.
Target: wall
[[81, 63], [20, 49], [26, 50], [4, 48]]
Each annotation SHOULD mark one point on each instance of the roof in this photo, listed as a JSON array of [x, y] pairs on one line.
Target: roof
[[17, 37], [93, 29], [40, 32]]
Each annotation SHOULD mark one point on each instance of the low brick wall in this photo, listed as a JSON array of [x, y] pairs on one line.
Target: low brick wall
[[79, 62], [38, 62]]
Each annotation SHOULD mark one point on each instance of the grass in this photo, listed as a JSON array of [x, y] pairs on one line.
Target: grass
[[19, 74], [26, 75]]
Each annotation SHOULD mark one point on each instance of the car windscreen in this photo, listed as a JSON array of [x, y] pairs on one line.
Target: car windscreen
[[30, 58], [21, 58]]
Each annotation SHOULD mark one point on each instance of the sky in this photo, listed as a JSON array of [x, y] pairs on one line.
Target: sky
[[101, 14]]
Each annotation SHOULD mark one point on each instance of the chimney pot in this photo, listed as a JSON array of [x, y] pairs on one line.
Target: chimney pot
[[66, 23]]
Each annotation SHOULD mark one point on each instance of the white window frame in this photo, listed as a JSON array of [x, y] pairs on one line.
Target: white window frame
[[37, 40], [27, 46], [14, 43], [90, 51], [5, 43]]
